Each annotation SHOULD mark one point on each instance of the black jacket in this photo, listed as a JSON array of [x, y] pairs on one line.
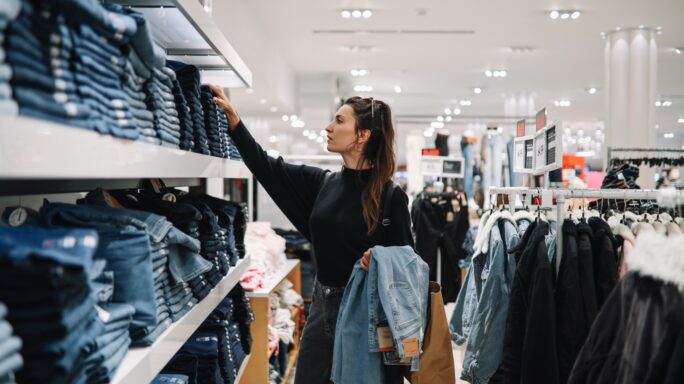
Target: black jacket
[[529, 354], [572, 328], [586, 272], [638, 336], [605, 259]]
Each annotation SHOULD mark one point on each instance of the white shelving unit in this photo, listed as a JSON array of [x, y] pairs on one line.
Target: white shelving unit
[[39, 149], [274, 280], [141, 365]]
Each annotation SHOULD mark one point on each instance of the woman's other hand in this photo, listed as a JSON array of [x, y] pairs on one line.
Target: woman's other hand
[[365, 260]]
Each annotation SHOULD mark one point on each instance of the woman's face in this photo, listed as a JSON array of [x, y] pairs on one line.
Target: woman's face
[[342, 136]]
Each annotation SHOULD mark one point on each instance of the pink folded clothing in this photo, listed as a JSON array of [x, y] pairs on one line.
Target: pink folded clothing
[[253, 279]]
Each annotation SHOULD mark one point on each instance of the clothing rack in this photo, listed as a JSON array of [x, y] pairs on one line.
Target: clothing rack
[[665, 198], [612, 150]]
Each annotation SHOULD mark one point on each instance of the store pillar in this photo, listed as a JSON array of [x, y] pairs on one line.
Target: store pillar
[[631, 68]]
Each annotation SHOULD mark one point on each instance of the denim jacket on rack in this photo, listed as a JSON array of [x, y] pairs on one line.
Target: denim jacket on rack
[[480, 313], [396, 285]]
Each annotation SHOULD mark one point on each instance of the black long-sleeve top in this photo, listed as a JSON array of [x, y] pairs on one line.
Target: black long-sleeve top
[[325, 207]]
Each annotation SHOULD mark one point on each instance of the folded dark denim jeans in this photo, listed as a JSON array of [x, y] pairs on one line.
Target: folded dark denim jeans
[[27, 78], [118, 316], [70, 107], [150, 338], [169, 378]]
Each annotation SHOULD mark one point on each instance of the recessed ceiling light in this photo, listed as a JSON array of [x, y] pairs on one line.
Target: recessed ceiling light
[[299, 124], [249, 90], [286, 118], [356, 13], [359, 72], [575, 15], [522, 49], [496, 73], [437, 125], [554, 14], [397, 89], [617, 29], [680, 120], [263, 101], [273, 139], [440, 118], [678, 50], [477, 90], [466, 103], [274, 109], [562, 103], [367, 13], [363, 88], [448, 119], [456, 111], [293, 117], [564, 16], [592, 90], [346, 14], [358, 48], [428, 132], [447, 111], [667, 103], [668, 135]]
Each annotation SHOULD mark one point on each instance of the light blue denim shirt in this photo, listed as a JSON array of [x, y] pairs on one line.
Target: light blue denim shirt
[[484, 304], [395, 289]]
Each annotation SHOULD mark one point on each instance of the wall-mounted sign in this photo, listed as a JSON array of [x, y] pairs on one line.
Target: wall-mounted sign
[[523, 148], [520, 128], [548, 150], [541, 119], [442, 166]]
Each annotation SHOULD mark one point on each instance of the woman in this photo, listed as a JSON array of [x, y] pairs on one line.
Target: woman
[[338, 212]]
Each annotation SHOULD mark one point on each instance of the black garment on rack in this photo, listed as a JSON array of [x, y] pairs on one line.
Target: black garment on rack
[[572, 328], [441, 143], [438, 226], [605, 259], [530, 354], [637, 337], [586, 271]]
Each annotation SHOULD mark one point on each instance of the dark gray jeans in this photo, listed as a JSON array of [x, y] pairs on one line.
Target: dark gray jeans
[[314, 363]]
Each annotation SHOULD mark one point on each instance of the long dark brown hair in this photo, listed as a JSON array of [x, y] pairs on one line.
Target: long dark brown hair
[[376, 116]]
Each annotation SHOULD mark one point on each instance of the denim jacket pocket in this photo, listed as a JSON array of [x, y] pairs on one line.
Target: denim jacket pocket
[[404, 304]]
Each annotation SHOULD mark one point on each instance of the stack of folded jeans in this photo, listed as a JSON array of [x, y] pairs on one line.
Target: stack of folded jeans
[[112, 344], [189, 79], [185, 217], [9, 10], [185, 117], [211, 122], [39, 49], [228, 216], [125, 245], [161, 102], [226, 143], [215, 352], [133, 86], [213, 238], [100, 67], [55, 314], [142, 75], [10, 359], [175, 261]]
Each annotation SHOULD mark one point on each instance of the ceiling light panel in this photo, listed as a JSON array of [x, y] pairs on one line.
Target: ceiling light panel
[[567, 14], [500, 73], [356, 13]]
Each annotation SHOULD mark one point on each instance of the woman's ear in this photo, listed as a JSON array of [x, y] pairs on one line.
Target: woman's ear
[[364, 136]]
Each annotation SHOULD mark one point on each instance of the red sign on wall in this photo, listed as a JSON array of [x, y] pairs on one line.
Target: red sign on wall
[[541, 119], [430, 152], [520, 128]]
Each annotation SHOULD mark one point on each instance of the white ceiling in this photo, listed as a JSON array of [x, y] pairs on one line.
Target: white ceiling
[[435, 70]]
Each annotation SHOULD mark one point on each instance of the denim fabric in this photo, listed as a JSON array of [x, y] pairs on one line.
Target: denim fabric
[[467, 151], [205, 346], [26, 77], [167, 138], [68, 108], [8, 108], [5, 72], [9, 9], [142, 41], [125, 244], [139, 67], [491, 176], [150, 338], [514, 177], [5, 91], [117, 313], [68, 247], [395, 289], [184, 363], [168, 378], [9, 365], [492, 277], [113, 25]]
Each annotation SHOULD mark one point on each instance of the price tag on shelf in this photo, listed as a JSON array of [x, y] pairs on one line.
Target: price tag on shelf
[[548, 150], [523, 150], [540, 152]]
